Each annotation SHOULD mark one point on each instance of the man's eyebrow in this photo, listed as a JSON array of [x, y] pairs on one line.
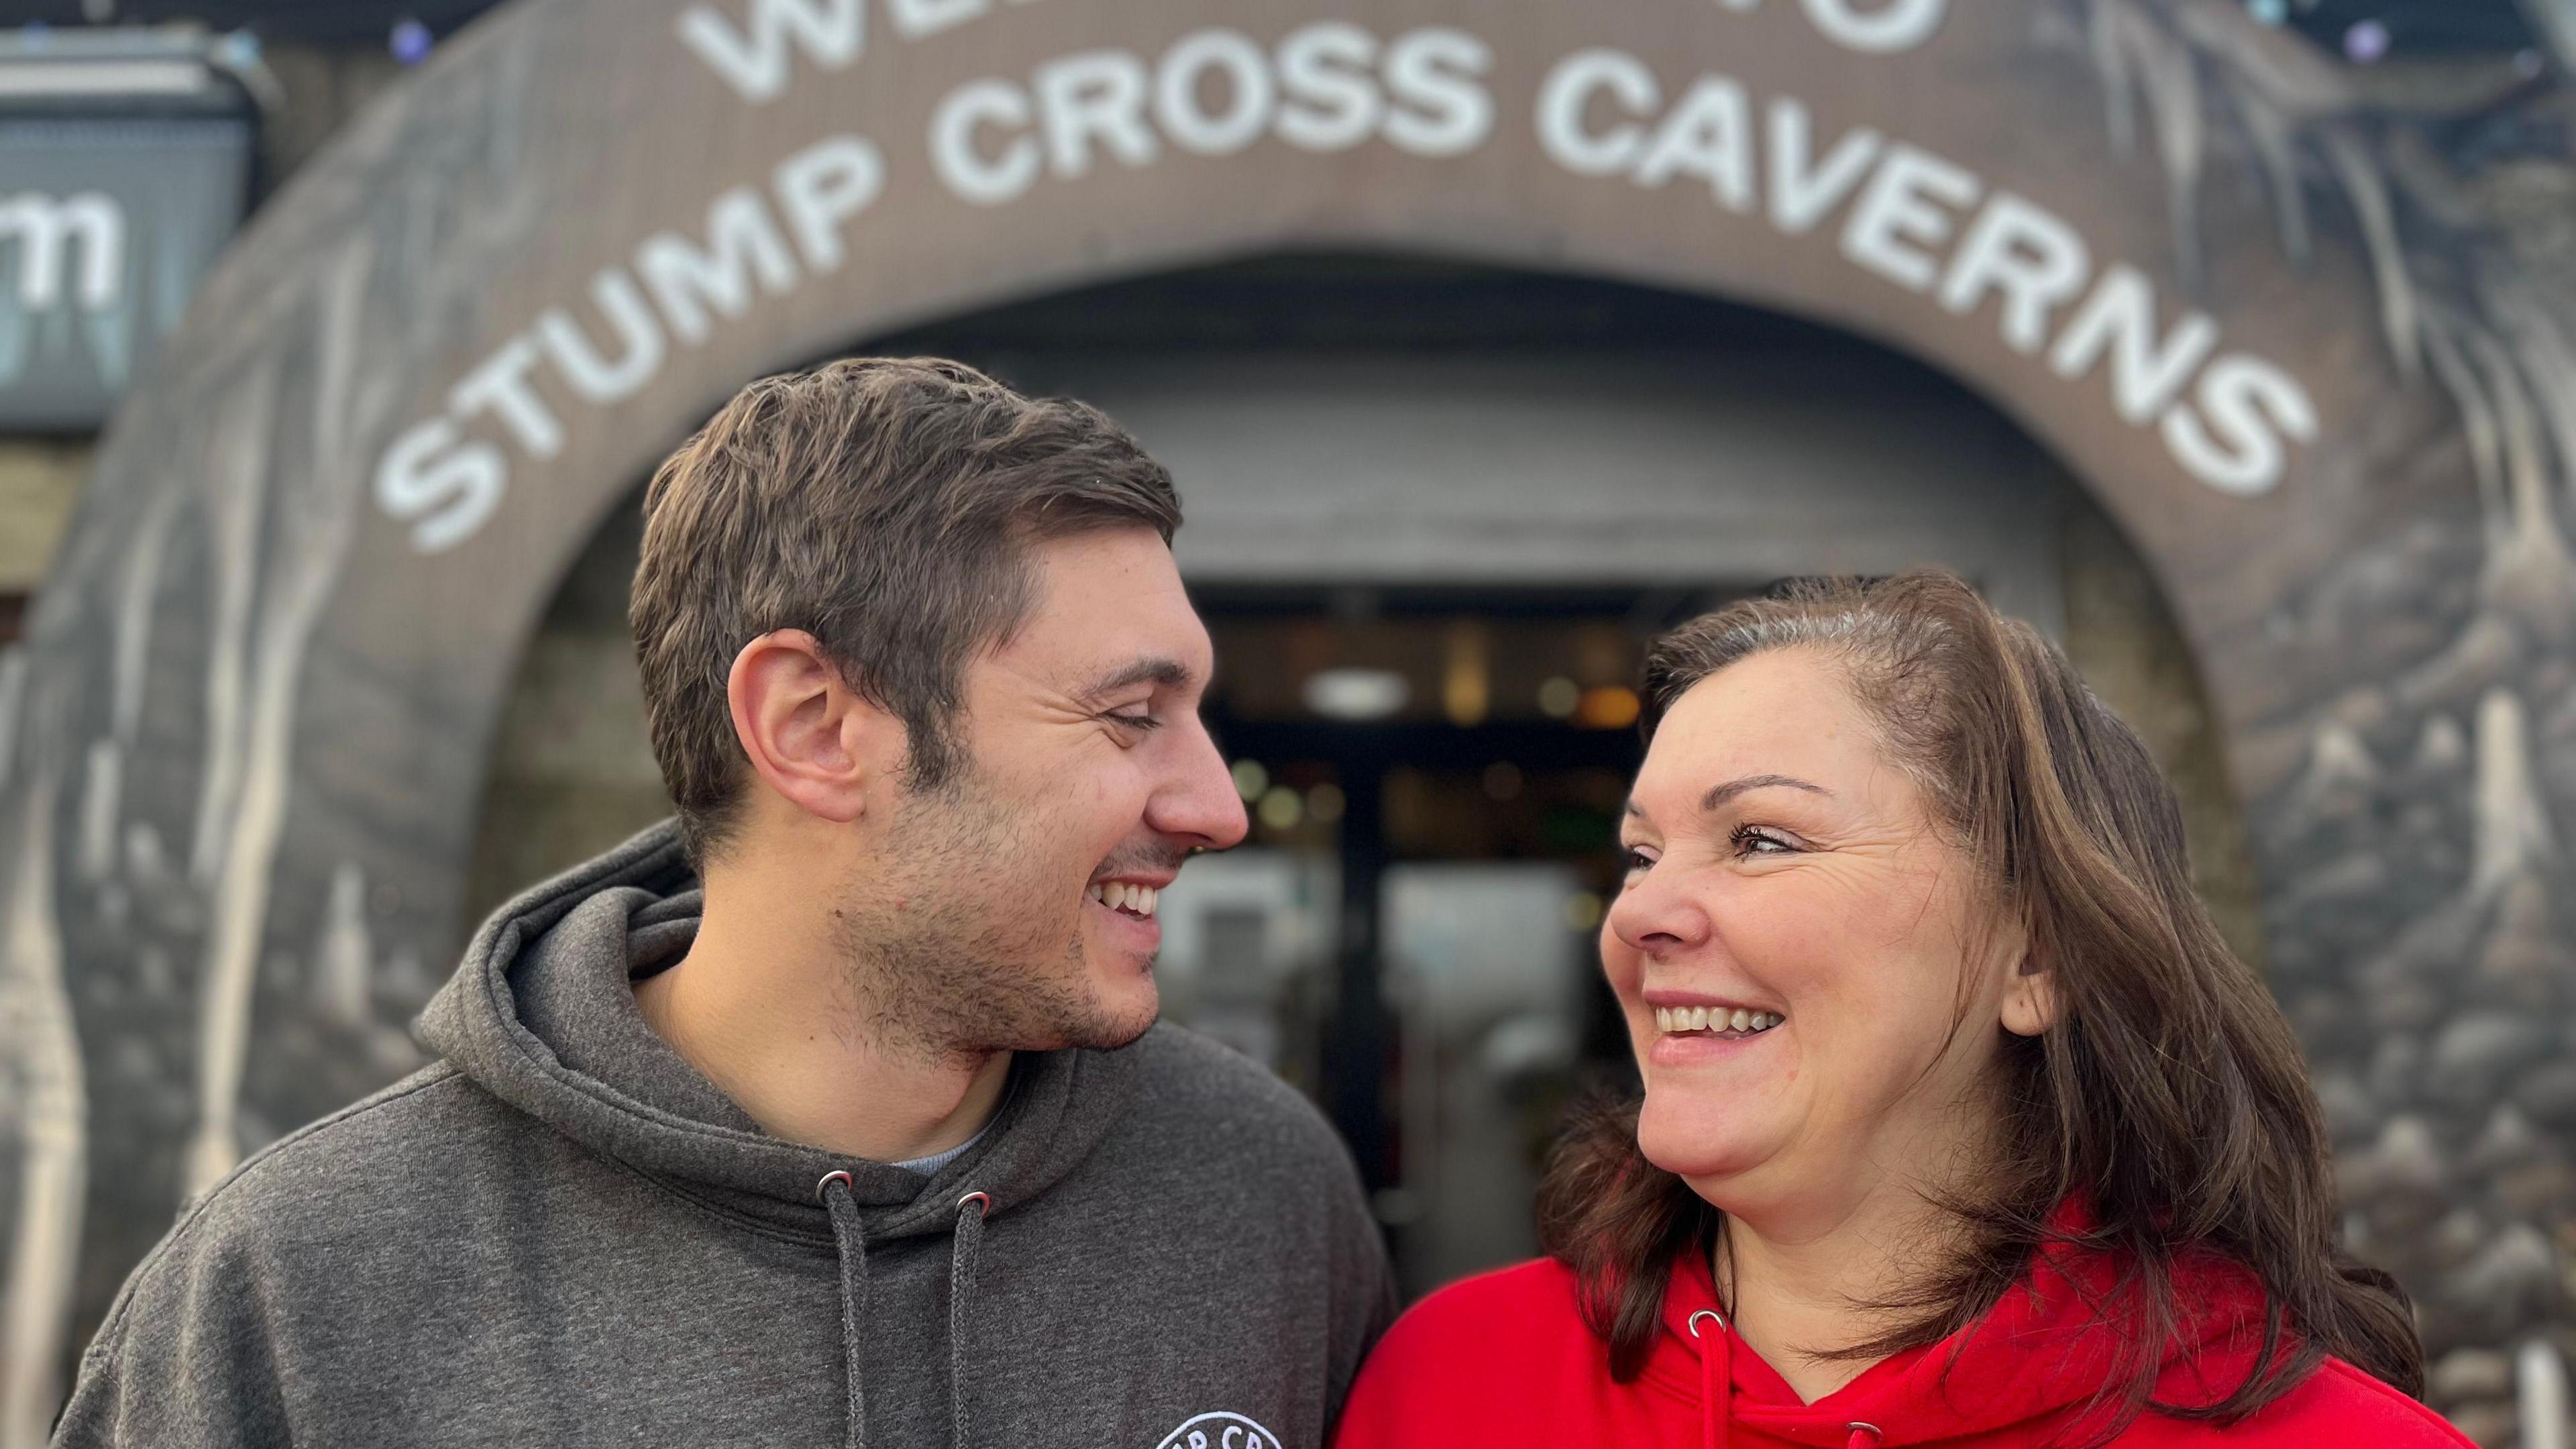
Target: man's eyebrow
[[1167, 673], [1719, 794]]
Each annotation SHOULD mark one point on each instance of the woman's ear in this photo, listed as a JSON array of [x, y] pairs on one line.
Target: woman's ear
[[2030, 996]]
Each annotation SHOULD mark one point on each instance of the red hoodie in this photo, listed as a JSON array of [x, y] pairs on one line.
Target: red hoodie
[[1505, 1359]]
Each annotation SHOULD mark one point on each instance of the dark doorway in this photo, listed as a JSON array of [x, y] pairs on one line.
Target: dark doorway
[[1435, 778]]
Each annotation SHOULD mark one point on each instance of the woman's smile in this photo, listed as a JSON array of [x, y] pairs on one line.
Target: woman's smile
[[1706, 1046], [1692, 1029]]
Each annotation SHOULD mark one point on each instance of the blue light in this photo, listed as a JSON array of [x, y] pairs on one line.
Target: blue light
[[411, 42], [2366, 41]]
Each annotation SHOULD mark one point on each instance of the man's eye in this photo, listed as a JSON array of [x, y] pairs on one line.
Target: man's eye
[[1137, 722]]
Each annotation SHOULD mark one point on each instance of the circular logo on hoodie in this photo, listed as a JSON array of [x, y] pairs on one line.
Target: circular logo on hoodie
[[1219, 1431]]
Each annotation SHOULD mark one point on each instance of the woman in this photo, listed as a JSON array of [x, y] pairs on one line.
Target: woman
[[1961, 1125]]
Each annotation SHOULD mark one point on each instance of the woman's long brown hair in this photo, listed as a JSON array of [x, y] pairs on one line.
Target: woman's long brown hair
[[2169, 1094]]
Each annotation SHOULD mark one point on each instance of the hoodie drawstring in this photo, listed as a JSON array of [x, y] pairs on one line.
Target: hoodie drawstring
[[1716, 1378], [968, 1240], [849, 1237], [852, 1242]]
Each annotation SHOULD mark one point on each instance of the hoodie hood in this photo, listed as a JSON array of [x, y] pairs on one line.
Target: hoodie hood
[[542, 1014], [2034, 1363]]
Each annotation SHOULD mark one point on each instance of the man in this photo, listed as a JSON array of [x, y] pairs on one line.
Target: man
[[871, 1138]]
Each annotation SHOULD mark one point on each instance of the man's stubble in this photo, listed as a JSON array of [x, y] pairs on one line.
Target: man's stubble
[[968, 947]]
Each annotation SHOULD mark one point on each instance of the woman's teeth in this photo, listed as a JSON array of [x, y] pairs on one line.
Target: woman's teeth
[[1674, 1019], [1118, 895]]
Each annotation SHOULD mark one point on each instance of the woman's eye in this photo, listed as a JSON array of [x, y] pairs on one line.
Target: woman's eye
[[1639, 862], [1754, 840]]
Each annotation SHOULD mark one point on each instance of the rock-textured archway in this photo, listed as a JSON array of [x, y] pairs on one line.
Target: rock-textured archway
[[2333, 404]]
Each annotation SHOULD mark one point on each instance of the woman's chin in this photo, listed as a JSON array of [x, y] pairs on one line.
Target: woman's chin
[[1697, 1145]]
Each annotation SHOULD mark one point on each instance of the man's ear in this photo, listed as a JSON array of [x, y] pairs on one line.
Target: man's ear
[[2030, 997], [817, 742]]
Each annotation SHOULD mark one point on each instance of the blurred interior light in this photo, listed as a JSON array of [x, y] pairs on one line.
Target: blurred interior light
[[1583, 911], [2270, 12], [1559, 697], [1608, 708], [410, 42], [1326, 803], [2366, 41], [1282, 808], [1250, 780], [1356, 694], [1465, 689]]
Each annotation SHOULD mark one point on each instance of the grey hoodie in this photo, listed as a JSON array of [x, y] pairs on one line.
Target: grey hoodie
[[562, 1234]]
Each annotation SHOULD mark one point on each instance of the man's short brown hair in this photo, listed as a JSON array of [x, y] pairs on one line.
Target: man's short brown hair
[[887, 507]]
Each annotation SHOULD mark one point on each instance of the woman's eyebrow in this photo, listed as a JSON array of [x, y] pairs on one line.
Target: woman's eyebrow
[[1719, 794]]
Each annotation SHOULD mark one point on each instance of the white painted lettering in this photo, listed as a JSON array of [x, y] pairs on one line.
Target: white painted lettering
[[45, 229], [444, 490], [2251, 406], [1710, 136], [499, 385], [685, 279], [639, 341], [823, 186], [914, 19], [1898, 211], [1804, 193], [983, 180], [1327, 72], [1886, 27], [2120, 318], [2025, 252], [1565, 96], [1098, 95], [831, 32], [1441, 109], [1249, 94]]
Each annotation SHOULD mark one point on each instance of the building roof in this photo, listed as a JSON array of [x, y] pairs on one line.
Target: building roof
[[2412, 26]]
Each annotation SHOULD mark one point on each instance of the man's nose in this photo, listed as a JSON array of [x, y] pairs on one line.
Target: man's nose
[[1199, 804]]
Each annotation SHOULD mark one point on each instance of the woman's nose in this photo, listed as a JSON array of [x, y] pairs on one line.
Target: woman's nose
[[1654, 919]]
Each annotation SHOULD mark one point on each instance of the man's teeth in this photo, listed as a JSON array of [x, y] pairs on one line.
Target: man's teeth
[[1714, 1018], [1118, 895]]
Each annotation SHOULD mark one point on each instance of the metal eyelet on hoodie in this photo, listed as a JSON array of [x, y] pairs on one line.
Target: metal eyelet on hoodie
[[1863, 1435]]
